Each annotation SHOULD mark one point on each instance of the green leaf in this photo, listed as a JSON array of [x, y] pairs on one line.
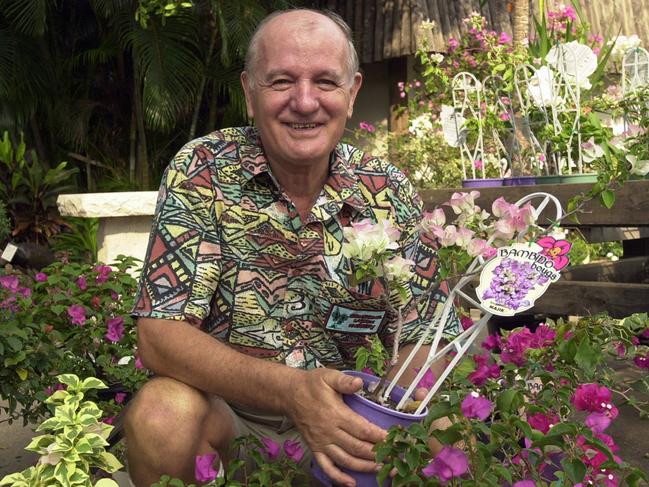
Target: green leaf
[[587, 357], [608, 198], [575, 469], [509, 401], [92, 383], [438, 410]]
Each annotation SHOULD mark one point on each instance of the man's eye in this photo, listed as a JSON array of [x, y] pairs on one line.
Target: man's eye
[[327, 83], [280, 83]]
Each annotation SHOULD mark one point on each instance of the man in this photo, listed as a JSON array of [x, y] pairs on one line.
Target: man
[[246, 246]]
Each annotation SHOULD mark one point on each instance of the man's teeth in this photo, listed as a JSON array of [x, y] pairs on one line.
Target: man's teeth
[[303, 125]]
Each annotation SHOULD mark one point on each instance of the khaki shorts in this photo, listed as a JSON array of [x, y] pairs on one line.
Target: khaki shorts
[[278, 428]]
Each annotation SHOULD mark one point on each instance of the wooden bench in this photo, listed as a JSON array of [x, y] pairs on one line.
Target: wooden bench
[[619, 288]]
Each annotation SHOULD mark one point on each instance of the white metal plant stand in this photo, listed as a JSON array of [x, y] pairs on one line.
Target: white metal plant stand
[[635, 69], [467, 102], [494, 96], [462, 342]]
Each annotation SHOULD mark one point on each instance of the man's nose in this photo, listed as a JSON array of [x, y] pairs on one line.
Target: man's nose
[[305, 97]]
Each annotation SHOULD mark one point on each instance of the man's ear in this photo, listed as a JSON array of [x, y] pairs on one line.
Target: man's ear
[[356, 85], [245, 84]]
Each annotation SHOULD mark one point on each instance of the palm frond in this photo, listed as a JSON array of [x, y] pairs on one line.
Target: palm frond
[[26, 16]]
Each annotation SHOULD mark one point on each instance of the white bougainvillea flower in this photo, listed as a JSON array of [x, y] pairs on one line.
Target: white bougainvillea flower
[[365, 239], [464, 236], [398, 269], [477, 246], [622, 45], [591, 151], [432, 220], [638, 167], [574, 59], [421, 126], [463, 202], [453, 126], [447, 236], [541, 88]]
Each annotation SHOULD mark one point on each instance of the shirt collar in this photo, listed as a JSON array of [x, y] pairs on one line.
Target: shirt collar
[[342, 185]]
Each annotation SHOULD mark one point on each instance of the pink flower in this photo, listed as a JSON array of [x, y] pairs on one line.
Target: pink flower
[[401, 85], [428, 380], [115, 328], [293, 450], [453, 44], [483, 370], [138, 363], [41, 277], [271, 448], [103, 271], [504, 38], [78, 314], [645, 333], [82, 283], [478, 164], [477, 246], [504, 116], [466, 322], [514, 347], [524, 483], [460, 202], [10, 283], [49, 390], [542, 422], [543, 336], [476, 406], [595, 399], [449, 463], [108, 420], [642, 361], [491, 342], [119, 397], [556, 250], [204, 470], [598, 422], [367, 126]]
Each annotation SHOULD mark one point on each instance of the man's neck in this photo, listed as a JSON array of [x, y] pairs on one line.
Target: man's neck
[[302, 184]]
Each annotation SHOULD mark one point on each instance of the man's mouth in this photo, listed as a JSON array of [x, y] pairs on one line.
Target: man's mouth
[[303, 126]]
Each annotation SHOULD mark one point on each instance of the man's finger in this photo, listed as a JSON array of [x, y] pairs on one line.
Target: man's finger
[[337, 476]]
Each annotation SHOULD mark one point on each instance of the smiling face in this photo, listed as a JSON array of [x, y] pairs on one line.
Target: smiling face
[[301, 92]]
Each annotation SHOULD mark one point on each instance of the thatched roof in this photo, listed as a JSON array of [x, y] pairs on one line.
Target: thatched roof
[[385, 29]]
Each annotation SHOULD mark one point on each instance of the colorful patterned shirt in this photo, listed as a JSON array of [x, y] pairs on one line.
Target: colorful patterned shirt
[[230, 254]]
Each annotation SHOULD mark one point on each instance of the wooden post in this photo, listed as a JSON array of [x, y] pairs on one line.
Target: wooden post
[[398, 71]]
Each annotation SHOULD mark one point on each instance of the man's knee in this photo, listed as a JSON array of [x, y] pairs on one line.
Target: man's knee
[[166, 406]]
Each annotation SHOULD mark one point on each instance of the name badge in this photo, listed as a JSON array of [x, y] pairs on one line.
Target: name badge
[[348, 320]]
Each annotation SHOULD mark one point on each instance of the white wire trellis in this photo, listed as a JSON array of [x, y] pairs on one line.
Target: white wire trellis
[[495, 95], [635, 69], [464, 340], [467, 102]]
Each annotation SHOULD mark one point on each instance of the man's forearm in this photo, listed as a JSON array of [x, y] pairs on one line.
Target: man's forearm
[[178, 350]]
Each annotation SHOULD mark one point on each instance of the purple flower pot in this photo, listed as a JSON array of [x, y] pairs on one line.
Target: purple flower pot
[[377, 414], [520, 181], [482, 183]]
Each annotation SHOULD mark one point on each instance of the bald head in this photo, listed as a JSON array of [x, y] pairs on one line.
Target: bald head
[[306, 20]]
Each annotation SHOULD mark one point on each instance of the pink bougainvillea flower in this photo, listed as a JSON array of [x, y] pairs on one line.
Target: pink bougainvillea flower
[[82, 283], [595, 399], [620, 349], [367, 126], [466, 322], [449, 463], [477, 246], [642, 361], [428, 380], [204, 470], [78, 314], [10, 283], [40, 277], [645, 333], [483, 370], [367, 370], [476, 406], [598, 422], [103, 272], [542, 421], [52, 389], [271, 448], [460, 202], [524, 483], [115, 328], [504, 38], [514, 346], [556, 250], [491, 343], [543, 336], [293, 450], [119, 397], [108, 420], [138, 363]]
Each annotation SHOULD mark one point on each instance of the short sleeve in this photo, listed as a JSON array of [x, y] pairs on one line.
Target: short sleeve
[[181, 268]]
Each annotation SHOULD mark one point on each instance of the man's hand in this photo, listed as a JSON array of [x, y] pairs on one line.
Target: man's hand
[[336, 435]]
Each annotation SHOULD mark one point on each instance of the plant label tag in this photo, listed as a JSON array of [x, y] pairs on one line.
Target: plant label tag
[[519, 274], [9, 252]]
